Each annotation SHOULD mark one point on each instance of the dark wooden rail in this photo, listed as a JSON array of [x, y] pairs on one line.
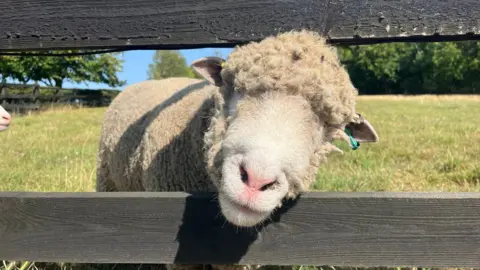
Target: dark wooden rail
[[46, 24], [32, 97], [354, 229]]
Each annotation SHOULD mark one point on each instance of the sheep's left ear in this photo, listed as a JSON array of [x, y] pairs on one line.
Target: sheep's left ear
[[209, 68], [361, 130]]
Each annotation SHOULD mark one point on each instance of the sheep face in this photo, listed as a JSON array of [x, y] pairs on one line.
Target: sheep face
[[263, 147], [278, 105], [266, 153], [5, 119]]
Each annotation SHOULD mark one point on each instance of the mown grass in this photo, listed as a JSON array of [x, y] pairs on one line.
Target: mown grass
[[51, 151], [426, 144]]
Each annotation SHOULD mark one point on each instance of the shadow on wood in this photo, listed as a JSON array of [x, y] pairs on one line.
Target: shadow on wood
[[205, 236]]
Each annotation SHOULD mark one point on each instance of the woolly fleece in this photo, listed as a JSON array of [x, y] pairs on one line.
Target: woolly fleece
[[153, 132], [298, 63]]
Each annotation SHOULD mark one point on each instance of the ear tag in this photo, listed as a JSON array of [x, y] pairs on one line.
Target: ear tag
[[353, 143]]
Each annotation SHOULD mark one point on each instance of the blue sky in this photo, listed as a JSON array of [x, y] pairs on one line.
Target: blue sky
[[136, 64]]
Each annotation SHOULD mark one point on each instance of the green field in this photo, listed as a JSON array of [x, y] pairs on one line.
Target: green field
[[51, 151], [426, 144]]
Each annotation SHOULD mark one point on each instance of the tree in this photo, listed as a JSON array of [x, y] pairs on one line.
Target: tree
[[414, 68], [373, 68], [55, 70], [167, 63]]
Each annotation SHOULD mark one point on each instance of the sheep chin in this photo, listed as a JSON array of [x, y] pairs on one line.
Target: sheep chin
[[245, 206], [241, 216]]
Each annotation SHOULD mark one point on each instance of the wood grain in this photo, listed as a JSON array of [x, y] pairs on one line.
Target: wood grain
[[341, 229], [180, 24]]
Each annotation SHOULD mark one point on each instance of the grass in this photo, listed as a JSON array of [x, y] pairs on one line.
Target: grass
[[51, 151], [426, 143]]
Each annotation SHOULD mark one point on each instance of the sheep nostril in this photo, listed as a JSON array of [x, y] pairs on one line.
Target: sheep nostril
[[243, 174], [269, 185]]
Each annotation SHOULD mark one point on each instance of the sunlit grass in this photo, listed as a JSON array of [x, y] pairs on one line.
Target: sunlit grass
[[51, 151], [426, 144]]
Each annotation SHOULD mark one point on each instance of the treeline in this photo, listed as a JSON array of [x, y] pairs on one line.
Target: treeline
[[414, 68], [55, 70], [390, 68]]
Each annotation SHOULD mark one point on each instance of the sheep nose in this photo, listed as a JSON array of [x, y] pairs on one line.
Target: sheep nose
[[252, 181]]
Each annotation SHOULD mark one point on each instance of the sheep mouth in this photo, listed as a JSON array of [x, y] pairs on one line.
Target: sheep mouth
[[4, 126], [242, 207], [247, 209], [240, 214]]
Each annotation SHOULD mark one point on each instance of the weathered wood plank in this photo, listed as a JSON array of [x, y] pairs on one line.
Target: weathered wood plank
[[27, 106], [175, 24], [353, 229]]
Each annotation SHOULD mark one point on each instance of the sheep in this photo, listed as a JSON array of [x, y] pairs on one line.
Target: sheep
[[5, 119], [255, 130]]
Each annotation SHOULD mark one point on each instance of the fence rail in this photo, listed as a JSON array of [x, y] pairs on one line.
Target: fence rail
[[33, 97], [224, 23], [353, 229]]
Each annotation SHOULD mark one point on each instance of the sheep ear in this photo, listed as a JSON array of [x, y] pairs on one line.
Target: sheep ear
[[209, 68], [362, 131]]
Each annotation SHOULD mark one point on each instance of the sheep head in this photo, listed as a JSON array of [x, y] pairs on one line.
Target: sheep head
[[5, 119], [280, 102]]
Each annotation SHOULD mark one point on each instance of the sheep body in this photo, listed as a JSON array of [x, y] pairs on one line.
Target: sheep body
[[152, 137]]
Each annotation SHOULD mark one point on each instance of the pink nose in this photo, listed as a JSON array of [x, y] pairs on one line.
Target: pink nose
[[254, 182]]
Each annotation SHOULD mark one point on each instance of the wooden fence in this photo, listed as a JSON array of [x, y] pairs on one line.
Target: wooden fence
[[351, 229], [16, 97], [354, 229]]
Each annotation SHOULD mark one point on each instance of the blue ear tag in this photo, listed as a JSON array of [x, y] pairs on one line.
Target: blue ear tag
[[354, 144]]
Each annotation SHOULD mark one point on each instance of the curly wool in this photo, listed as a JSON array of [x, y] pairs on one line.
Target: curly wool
[[296, 62]]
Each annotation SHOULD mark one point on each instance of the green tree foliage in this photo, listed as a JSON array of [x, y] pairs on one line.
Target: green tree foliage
[[55, 70], [167, 63], [9, 68], [414, 68]]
